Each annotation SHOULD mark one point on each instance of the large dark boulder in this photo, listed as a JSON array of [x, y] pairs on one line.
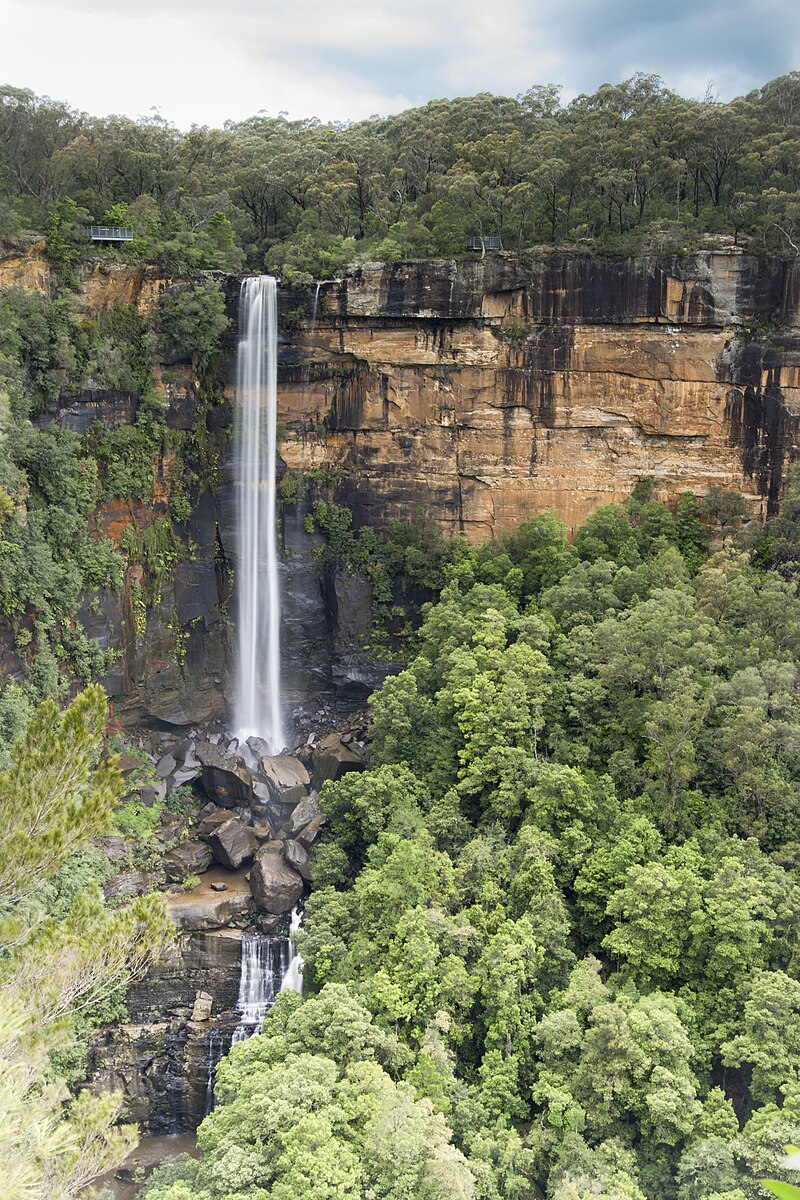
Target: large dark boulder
[[232, 843], [332, 759], [285, 776], [276, 886], [224, 776]]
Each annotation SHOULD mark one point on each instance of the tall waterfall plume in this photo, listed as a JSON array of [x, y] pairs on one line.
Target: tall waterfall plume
[[258, 684]]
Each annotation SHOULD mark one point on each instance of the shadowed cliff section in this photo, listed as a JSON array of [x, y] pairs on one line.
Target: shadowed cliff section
[[761, 423]]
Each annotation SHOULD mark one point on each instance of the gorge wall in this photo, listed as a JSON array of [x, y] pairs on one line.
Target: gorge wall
[[481, 392], [492, 390]]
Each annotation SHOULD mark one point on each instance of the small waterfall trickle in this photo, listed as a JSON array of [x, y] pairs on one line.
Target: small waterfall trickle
[[265, 961], [215, 1051], [293, 976], [258, 691]]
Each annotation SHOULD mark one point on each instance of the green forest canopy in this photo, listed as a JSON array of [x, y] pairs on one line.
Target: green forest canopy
[[632, 167], [552, 939]]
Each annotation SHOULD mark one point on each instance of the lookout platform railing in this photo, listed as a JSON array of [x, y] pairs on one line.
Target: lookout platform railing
[[109, 233]]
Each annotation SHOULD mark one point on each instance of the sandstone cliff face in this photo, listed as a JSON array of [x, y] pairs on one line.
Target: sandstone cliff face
[[490, 391], [482, 391]]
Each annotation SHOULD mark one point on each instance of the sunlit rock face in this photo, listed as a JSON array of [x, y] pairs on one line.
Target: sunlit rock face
[[490, 391]]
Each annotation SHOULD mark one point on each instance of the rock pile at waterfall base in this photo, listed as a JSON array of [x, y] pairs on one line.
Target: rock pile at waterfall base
[[241, 810]]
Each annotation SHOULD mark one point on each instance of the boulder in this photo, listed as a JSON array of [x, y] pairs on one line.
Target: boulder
[[210, 818], [285, 776], [203, 1004], [307, 810], [297, 857], [332, 759], [151, 795], [130, 883], [224, 777], [166, 766], [232, 842], [310, 832], [259, 747], [181, 776], [189, 858], [276, 886]]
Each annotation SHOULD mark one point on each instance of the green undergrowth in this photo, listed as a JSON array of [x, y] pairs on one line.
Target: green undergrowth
[[53, 482]]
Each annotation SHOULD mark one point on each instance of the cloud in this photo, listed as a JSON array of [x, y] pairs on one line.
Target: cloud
[[199, 61]]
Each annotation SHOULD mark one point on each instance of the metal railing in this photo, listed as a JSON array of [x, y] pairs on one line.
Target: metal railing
[[476, 242], [109, 233]]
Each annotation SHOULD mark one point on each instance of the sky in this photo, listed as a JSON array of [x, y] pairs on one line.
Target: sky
[[207, 61]]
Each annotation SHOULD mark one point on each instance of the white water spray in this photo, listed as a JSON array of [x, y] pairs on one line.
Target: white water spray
[[264, 964], [258, 695], [293, 976]]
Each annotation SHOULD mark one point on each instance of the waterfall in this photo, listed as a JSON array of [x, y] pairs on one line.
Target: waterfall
[[264, 964], [293, 976], [258, 697]]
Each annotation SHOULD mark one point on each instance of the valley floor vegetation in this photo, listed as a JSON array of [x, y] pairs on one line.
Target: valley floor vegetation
[[552, 942]]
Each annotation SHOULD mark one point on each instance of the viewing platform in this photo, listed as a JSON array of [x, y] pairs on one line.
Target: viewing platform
[[109, 233], [476, 242]]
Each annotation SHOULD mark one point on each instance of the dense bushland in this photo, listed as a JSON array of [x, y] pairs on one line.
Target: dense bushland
[[633, 167], [561, 908]]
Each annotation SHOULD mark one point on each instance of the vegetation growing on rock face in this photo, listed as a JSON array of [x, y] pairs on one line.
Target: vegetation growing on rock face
[[54, 481], [560, 909], [633, 167]]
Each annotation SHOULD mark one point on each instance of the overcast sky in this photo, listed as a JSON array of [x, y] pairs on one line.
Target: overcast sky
[[207, 61]]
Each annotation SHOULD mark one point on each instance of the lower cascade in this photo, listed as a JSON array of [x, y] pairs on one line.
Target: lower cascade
[[293, 979], [265, 961]]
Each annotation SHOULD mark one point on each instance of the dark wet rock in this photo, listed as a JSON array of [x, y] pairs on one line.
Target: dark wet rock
[[285, 776], [332, 759], [232, 843], [189, 858], [276, 886], [219, 887], [116, 849], [211, 816], [224, 777], [297, 857]]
